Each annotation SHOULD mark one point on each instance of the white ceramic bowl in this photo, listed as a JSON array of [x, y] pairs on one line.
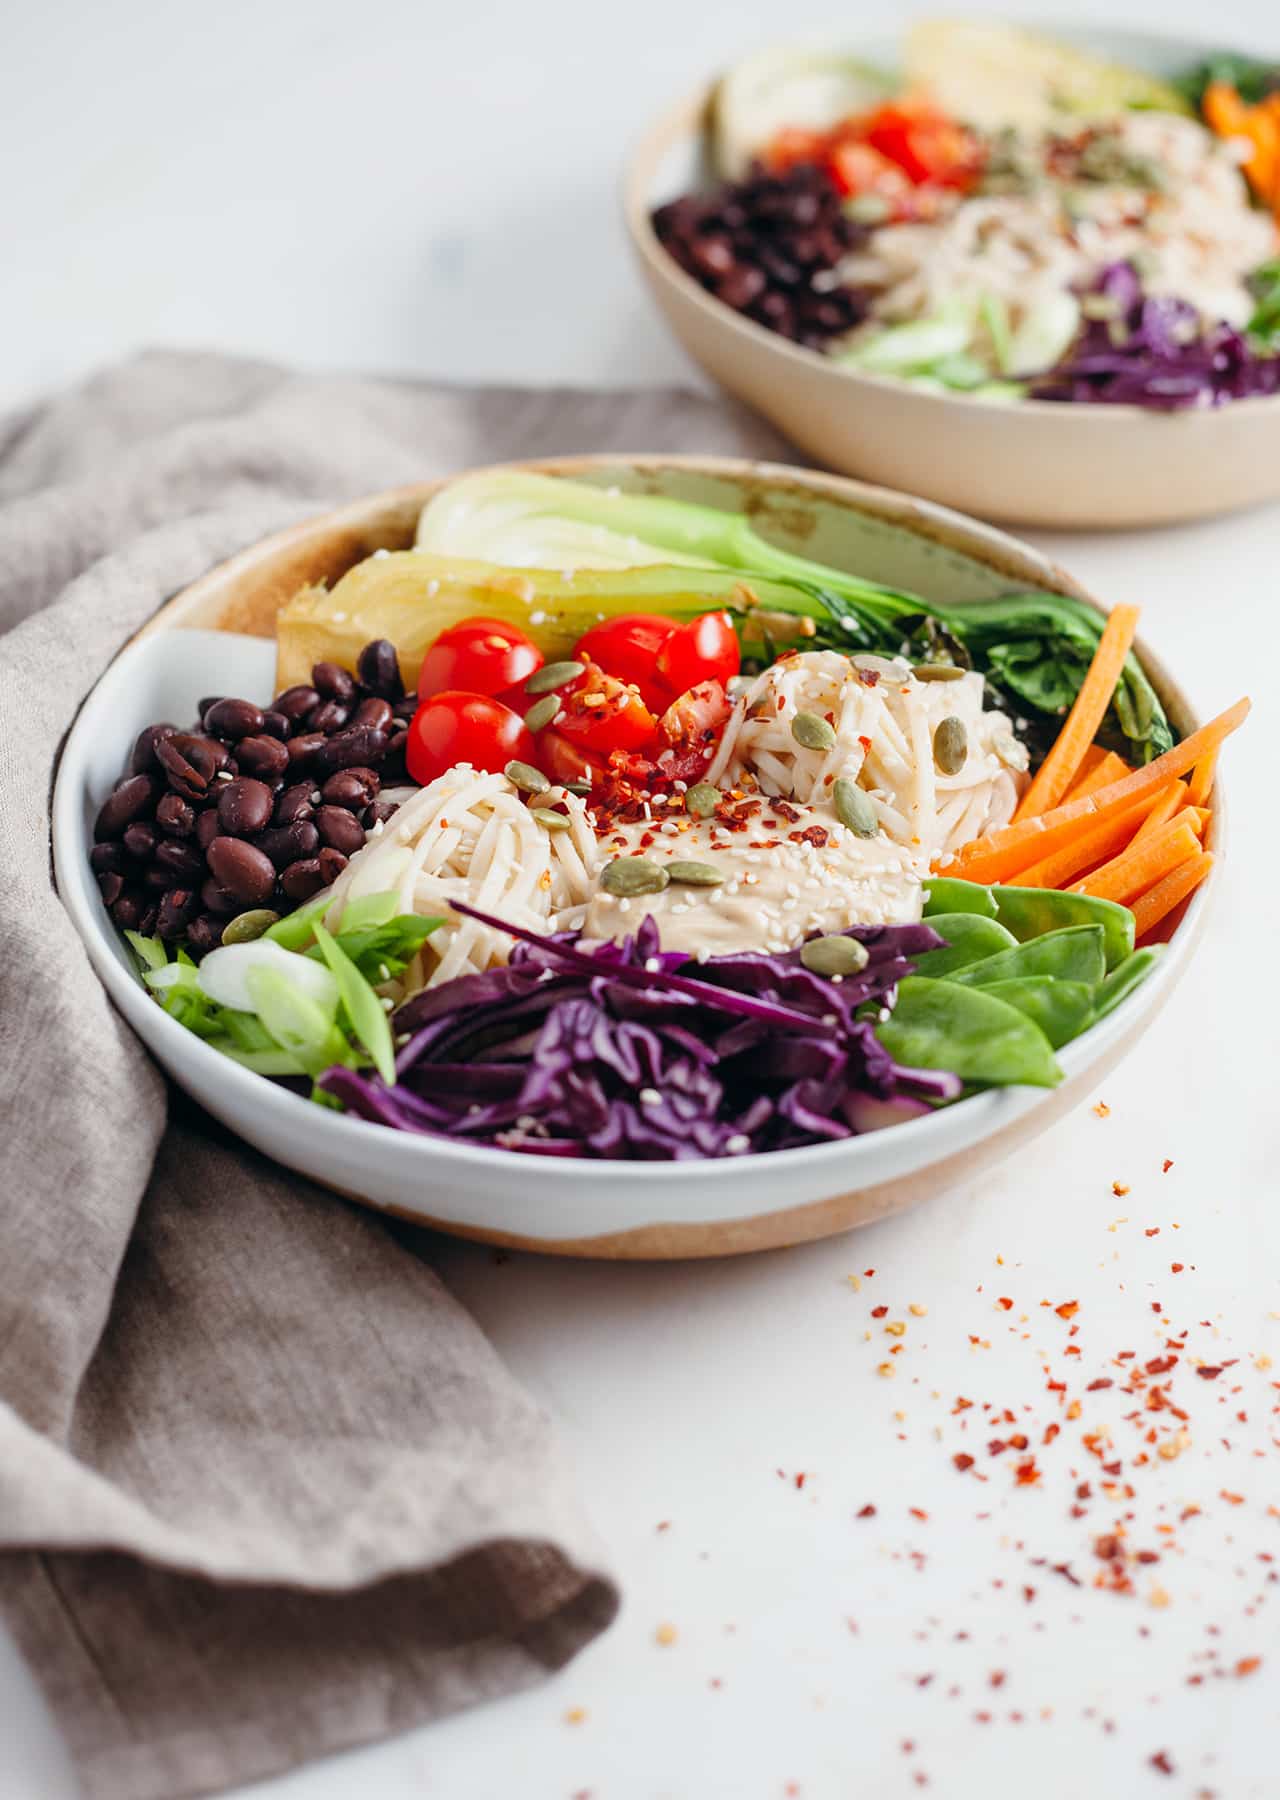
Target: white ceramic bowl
[[615, 1209], [1033, 463]]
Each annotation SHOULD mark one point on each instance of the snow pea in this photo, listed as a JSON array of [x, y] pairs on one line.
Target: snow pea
[[1074, 954], [969, 939], [939, 1025], [947, 894], [1031, 912], [1062, 1009], [1121, 982]]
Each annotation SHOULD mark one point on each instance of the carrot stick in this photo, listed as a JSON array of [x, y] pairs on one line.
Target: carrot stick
[[1096, 845], [1088, 763], [1109, 768], [1162, 811], [1001, 854], [1097, 690], [1151, 907], [1198, 818], [1142, 865], [1201, 783]]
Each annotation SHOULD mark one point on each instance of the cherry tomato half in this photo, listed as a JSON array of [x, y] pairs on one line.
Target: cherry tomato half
[[926, 145], [706, 649], [600, 713], [564, 761], [696, 719], [628, 647], [455, 727], [478, 656]]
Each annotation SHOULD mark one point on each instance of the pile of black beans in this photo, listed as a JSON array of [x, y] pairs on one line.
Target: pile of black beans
[[253, 807], [768, 247]]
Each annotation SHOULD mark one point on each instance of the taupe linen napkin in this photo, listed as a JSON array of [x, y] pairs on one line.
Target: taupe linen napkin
[[265, 1491]]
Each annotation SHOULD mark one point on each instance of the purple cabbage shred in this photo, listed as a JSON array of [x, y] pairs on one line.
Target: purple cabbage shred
[[626, 1050]]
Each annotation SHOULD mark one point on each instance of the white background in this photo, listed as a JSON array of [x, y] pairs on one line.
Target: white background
[[432, 190]]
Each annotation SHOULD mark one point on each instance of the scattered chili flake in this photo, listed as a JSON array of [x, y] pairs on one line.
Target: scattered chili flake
[[1068, 1309], [1103, 1381], [801, 1478], [1230, 1498], [1166, 1165], [1152, 1231], [878, 1312], [996, 1678], [1103, 1110], [962, 1460], [867, 1512], [1208, 1371], [1161, 1761], [1176, 1268], [1247, 1665], [917, 1512]]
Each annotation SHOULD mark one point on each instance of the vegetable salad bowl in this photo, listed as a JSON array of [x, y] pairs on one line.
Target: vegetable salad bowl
[[218, 635], [1030, 462]]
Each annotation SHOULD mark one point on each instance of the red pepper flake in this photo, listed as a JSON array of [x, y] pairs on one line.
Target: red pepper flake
[[1068, 1309], [868, 1273], [867, 1512], [1050, 1432], [1026, 1473], [1005, 1303], [1161, 1761], [1176, 1268], [1232, 1499], [801, 1478], [1119, 1189], [1248, 1664], [996, 1446], [917, 1512], [1160, 1365], [1028, 1594], [962, 1461], [996, 1678], [1209, 1371], [922, 1681], [1152, 1231], [878, 1312], [1166, 1165]]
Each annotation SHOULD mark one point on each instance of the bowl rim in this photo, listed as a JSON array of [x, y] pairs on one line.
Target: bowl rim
[[689, 116], [984, 1113]]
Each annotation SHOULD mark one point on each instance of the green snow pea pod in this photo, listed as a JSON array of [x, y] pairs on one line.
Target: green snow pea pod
[[1062, 1009], [1121, 982], [969, 939], [1031, 912], [938, 1025], [947, 894], [1074, 954]]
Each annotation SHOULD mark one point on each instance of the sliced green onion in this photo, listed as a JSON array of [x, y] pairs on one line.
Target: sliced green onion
[[363, 1007]]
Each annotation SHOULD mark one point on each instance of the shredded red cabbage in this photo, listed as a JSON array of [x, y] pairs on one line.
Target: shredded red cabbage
[[629, 1050], [1157, 352]]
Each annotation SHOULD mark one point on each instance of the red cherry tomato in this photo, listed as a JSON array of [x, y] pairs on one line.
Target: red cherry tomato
[[628, 647], [926, 145], [697, 718], [600, 713], [564, 761], [454, 727], [706, 649], [478, 656]]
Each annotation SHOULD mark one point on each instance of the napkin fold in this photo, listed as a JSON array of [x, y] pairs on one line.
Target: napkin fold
[[265, 1490]]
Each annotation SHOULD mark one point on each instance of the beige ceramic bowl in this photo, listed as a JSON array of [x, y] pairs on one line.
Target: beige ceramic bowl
[[1033, 463]]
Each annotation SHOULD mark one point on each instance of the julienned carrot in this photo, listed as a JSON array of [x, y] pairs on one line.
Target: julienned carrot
[[1001, 854], [1163, 810], [1098, 843], [1151, 907], [1097, 691], [1201, 784], [1142, 865], [1088, 763], [1109, 767], [1198, 818]]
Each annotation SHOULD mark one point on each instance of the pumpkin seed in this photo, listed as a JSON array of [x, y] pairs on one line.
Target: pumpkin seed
[[552, 821], [246, 927], [812, 732], [628, 875], [580, 788], [854, 809], [701, 800], [542, 712], [950, 745], [834, 956], [528, 779], [938, 672], [552, 676], [693, 874]]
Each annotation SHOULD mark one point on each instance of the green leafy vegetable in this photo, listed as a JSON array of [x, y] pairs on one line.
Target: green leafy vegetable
[[296, 930], [1122, 981], [970, 938], [939, 1025], [383, 951], [297, 1023], [1073, 954], [1264, 326], [1062, 1009], [1030, 912], [362, 1006]]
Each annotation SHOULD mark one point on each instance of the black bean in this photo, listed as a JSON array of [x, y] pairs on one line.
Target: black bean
[[380, 812], [207, 827], [354, 748], [294, 702], [156, 878], [175, 816], [243, 870], [150, 914], [379, 669], [217, 899], [276, 724], [244, 806], [303, 879], [108, 859], [333, 682], [397, 742], [374, 711], [140, 839], [294, 802], [127, 910], [302, 750], [204, 934], [202, 706], [352, 788], [332, 863], [142, 760], [183, 861], [111, 886], [175, 910], [340, 830], [265, 757], [233, 719], [405, 709], [329, 716], [287, 843], [190, 762], [132, 797]]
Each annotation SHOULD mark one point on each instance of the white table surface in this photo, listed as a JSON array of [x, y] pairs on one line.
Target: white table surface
[[428, 189]]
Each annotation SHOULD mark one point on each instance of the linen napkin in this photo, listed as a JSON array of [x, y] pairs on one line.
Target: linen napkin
[[265, 1490]]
